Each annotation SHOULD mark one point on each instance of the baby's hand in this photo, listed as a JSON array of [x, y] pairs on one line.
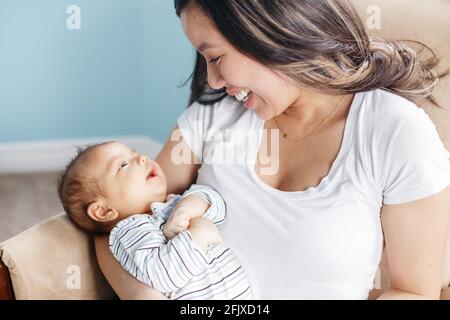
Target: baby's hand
[[177, 222], [186, 209]]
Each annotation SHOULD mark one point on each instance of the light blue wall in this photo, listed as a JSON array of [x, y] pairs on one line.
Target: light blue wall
[[118, 75]]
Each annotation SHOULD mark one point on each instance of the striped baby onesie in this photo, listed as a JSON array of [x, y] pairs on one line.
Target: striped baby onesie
[[178, 268]]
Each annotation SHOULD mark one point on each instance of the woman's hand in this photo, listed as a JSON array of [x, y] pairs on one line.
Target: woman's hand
[[125, 286]]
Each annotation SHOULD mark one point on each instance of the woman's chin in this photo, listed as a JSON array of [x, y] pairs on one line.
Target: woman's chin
[[263, 114]]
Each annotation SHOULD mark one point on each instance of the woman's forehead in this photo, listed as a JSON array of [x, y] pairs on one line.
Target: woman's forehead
[[200, 29]]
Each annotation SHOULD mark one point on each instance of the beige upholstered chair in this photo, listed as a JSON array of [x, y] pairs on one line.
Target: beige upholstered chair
[[52, 260], [45, 261]]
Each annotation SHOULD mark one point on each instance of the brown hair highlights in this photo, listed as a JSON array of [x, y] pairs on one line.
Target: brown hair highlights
[[320, 44]]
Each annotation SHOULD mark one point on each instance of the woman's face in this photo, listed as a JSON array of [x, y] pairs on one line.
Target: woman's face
[[227, 67]]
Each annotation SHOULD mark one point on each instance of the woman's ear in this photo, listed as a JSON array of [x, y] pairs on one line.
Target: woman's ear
[[98, 211]]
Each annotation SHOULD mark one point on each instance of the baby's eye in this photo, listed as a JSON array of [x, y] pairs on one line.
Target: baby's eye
[[123, 164]]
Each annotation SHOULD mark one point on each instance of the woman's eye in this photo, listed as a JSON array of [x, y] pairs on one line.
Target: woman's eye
[[215, 60]]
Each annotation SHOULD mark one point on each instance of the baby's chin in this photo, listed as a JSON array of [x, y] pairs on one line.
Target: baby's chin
[[160, 197], [159, 193]]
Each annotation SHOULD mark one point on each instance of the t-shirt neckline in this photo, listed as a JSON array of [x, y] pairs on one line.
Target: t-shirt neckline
[[336, 165]]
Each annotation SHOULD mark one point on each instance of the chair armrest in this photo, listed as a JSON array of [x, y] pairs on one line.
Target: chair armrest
[[52, 260], [6, 289]]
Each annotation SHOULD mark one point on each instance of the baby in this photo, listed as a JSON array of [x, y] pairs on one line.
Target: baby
[[168, 242]]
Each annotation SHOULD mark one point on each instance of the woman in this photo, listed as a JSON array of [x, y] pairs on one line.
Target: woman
[[356, 163]]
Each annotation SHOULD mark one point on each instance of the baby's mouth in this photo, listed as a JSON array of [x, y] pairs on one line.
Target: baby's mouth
[[151, 174]]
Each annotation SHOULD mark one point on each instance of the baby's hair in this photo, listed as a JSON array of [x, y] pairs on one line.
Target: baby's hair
[[77, 191]]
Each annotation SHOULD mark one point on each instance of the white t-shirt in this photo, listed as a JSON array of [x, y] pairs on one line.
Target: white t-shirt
[[324, 242]]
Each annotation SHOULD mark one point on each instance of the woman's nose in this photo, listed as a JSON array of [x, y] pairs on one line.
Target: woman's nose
[[215, 80]]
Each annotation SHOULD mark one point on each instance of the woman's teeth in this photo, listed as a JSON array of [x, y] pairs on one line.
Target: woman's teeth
[[243, 95]]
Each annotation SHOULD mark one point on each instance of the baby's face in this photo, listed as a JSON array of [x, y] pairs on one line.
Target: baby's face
[[129, 181]]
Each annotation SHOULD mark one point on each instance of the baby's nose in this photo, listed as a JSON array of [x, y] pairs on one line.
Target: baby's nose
[[142, 159]]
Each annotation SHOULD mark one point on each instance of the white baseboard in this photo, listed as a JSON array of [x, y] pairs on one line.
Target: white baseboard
[[53, 155]]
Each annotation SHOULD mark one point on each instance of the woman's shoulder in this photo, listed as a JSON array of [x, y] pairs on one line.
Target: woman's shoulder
[[400, 131], [384, 113], [390, 127], [383, 105], [400, 148]]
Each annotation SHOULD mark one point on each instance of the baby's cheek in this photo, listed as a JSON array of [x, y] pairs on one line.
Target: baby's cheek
[[131, 195]]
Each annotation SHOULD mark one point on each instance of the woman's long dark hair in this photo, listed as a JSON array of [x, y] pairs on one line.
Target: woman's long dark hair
[[320, 44]]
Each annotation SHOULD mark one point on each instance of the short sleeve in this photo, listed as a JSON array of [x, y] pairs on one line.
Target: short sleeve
[[416, 163], [205, 128], [191, 124]]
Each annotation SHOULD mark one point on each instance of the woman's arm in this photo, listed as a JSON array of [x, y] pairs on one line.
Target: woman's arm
[[179, 178], [416, 237], [125, 286]]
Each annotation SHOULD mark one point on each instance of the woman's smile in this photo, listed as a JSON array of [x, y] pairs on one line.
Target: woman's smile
[[249, 102], [244, 95]]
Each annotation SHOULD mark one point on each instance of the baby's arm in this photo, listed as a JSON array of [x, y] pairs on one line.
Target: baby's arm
[[140, 247], [204, 233], [198, 201], [217, 208], [187, 209]]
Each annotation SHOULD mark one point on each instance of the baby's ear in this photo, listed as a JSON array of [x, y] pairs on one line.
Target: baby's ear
[[98, 211]]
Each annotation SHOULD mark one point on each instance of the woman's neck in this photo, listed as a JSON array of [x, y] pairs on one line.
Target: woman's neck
[[310, 110]]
